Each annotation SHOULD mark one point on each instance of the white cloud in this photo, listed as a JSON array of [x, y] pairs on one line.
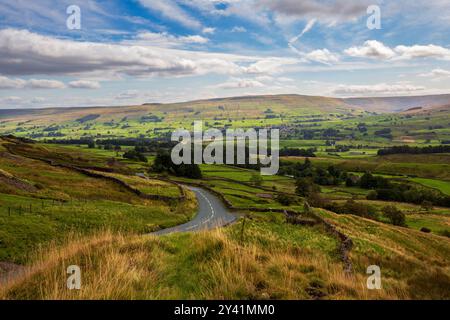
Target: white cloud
[[238, 29], [418, 51], [330, 12], [270, 65], [194, 39], [8, 83], [237, 83], [172, 11], [45, 84], [209, 30], [285, 79], [11, 99], [436, 73], [25, 53], [377, 50], [126, 95], [371, 49], [262, 12], [84, 84], [323, 56], [37, 100], [377, 89], [165, 40]]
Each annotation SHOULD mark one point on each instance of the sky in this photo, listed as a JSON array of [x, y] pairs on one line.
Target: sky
[[142, 51]]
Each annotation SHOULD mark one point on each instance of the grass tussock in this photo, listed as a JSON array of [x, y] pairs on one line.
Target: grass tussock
[[207, 265]]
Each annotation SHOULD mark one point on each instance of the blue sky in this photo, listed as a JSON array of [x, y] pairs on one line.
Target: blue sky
[[137, 51]]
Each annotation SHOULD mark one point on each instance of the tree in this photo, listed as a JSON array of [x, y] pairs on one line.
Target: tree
[[427, 205], [163, 163], [117, 148], [372, 195], [134, 155], [317, 201], [306, 186], [256, 180], [358, 209], [351, 181], [368, 181], [395, 216], [285, 199]]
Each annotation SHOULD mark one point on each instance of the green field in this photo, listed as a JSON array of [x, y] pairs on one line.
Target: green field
[[443, 186], [58, 204]]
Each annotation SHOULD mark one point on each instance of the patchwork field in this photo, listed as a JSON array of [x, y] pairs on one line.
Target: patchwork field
[[87, 190]]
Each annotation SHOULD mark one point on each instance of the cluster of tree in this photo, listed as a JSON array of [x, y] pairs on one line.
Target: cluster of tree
[[351, 206], [330, 132], [153, 144], [310, 178], [51, 128], [89, 117], [408, 193], [56, 134], [391, 213], [395, 216], [148, 145], [295, 152], [116, 148], [384, 133], [414, 150], [325, 177], [81, 141], [367, 181], [362, 127], [285, 199], [151, 118], [135, 155], [338, 148], [356, 208], [383, 189], [163, 164]]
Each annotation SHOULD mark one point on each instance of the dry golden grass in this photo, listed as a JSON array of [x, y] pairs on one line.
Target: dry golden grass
[[207, 265], [417, 261]]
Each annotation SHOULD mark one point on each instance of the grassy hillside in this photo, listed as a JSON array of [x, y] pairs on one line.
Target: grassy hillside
[[40, 202], [273, 260]]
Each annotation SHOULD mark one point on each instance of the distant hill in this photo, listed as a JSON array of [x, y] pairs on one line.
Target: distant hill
[[397, 104], [234, 107]]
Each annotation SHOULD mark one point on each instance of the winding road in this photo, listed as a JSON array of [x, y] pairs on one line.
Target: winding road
[[212, 213]]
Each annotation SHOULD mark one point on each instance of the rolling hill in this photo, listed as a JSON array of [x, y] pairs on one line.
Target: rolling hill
[[396, 104], [250, 106]]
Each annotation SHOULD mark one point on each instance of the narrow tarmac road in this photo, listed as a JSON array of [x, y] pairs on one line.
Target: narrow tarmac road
[[212, 214]]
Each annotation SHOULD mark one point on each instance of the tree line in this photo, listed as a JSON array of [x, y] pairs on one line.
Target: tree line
[[414, 150]]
